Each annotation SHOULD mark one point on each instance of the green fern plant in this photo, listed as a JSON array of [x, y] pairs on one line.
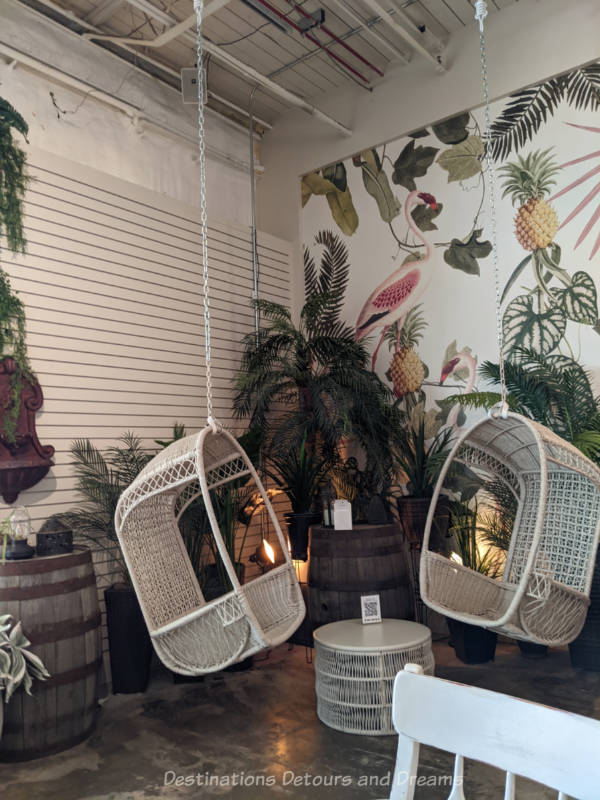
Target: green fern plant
[[13, 177], [13, 343], [13, 183]]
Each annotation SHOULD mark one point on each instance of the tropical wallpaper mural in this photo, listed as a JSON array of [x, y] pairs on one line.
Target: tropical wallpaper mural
[[415, 217]]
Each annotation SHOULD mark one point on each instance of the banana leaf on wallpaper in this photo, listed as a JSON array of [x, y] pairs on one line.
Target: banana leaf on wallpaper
[[415, 216]]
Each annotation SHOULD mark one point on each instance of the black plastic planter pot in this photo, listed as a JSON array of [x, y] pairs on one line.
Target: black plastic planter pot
[[473, 645], [585, 650], [412, 513], [532, 651], [128, 641], [298, 528]]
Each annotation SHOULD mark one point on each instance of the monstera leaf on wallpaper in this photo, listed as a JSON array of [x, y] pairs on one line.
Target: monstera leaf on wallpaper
[[339, 199], [453, 130], [524, 327], [377, 184], [464, 255], [462, 161], [578, 301], [413, 162]]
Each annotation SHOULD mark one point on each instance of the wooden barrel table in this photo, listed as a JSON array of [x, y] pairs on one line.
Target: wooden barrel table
[[370, 559], [56, 599]]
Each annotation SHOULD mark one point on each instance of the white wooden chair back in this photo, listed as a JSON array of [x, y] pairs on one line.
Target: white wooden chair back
[[555, 748]]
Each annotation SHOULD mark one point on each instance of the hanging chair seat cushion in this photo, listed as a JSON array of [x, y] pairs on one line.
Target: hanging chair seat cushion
[[275, 600], [553, 615], [453, 587], [210, 639]]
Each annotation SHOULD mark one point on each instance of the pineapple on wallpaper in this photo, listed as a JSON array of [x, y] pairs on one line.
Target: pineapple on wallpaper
[[417, 217]]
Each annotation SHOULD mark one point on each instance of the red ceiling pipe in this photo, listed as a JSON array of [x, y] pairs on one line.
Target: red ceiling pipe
[[338, 40], [313, 40]]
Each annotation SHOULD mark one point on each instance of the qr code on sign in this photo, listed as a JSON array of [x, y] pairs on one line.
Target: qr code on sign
[[371, 608]]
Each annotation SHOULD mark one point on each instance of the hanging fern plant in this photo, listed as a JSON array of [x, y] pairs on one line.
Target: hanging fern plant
[[527, 110], [13, 183], [13, 344], [13, 177]]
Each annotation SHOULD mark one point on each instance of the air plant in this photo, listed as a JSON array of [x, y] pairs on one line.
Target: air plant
[[18, 665]]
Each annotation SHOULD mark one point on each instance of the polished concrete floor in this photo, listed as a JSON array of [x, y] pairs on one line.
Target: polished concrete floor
[[262, 722]]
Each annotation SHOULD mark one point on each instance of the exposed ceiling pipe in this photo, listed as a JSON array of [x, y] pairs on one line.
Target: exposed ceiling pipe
[[274, 88], [244, 69], [314, 40], [370, 30], [337, 39], [136, 115], [145, 57], [414, 42], [266, 125], [159, 41], [256, 77], [104, 11], [400, 14]]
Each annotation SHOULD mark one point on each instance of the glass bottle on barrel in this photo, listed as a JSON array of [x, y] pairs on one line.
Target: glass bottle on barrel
[[326, 496]]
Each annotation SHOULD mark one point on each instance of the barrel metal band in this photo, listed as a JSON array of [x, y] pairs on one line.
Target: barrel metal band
[[41, 564], [47, 589], [63, 630]]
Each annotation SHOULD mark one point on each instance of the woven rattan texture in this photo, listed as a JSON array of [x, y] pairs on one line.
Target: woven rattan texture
[[189, 635], [543, 594], [354, 689]]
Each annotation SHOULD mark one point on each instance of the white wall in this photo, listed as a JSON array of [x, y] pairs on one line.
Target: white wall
[[112, 287], [96, 135], [527, 42]]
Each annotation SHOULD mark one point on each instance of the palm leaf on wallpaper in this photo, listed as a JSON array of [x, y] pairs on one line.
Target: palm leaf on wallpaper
[[528, 109], [589, 197], [328, 282]]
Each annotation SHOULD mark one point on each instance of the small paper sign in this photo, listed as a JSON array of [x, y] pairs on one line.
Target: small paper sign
[[371, 608]]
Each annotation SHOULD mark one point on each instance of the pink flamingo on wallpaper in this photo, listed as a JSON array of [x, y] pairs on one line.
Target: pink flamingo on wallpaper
[[391, 301], [460, 361]]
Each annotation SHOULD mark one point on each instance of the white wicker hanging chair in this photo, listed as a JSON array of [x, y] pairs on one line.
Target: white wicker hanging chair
[[190, 635], [543, 595], [193, 636]]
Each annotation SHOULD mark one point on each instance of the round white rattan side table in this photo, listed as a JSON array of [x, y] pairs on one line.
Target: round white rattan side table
[[355, 667]]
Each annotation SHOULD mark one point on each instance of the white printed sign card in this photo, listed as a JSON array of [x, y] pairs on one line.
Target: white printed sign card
[[371, 608], [342, 515]]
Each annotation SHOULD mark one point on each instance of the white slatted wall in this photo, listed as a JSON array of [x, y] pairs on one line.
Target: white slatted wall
[[112, 288]]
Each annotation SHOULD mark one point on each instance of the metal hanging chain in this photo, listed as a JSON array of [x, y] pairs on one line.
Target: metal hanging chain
[[199, 8], [480, 14]]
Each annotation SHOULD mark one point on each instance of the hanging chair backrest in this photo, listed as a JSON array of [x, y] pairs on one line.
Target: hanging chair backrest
[[557, 491], [146, 520]]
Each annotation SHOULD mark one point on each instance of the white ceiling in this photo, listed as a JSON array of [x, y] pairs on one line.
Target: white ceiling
[[240, 37]]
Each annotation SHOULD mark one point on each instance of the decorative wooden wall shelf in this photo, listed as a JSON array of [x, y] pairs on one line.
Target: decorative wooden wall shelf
[[25, 462]]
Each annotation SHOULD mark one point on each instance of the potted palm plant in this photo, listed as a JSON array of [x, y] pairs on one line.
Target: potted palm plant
[[421, 450], [313, 373], [18, 665], [299, 473], [100, 480], [470, 530]]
